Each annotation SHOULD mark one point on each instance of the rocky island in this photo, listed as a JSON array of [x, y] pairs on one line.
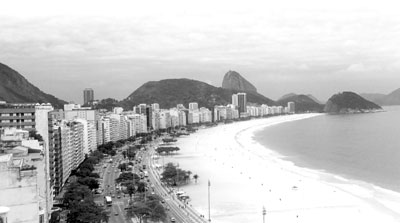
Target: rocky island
[[349, 102]]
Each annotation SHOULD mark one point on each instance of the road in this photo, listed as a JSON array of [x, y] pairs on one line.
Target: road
[[109, 174], [182, 213]]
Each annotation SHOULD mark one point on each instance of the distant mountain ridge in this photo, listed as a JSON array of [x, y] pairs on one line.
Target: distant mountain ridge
[[170, 92], [234, 81], [14, 88], [392, 98], [349, 102], [303, 103]]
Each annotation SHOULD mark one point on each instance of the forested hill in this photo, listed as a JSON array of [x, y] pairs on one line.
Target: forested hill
[[14, 88], [349, 102]]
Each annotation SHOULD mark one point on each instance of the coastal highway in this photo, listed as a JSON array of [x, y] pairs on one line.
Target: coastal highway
[[181, 212], [109, 174]]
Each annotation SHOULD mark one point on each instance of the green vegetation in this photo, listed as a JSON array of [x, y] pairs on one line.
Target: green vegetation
[[303, 103], [348, 102], [175, 176], [167, 150], [35, 135], [78, 198], [149, 207], [144, 206], [168, 93], [15, 88], [167, 140]]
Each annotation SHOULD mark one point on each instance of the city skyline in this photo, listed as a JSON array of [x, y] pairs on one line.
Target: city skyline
[[312, 47]]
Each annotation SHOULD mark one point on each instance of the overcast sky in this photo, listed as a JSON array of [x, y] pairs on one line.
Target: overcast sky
[[318, 47]]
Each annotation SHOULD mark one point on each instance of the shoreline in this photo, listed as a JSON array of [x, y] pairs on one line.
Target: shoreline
[[245, 176]]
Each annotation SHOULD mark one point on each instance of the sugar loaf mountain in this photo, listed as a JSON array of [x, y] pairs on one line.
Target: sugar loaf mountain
[[14, 88], [170, 92]]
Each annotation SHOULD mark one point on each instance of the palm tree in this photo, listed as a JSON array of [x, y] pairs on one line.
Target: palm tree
[[196, 177], [131, 190]]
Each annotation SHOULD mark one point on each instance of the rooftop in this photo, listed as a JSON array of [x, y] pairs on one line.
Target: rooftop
[[5, 158]]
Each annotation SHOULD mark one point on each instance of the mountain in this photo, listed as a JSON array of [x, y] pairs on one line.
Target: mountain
[[393, 98], [14, 88], [381, 99], [287, 96], [303, 103], [234, 81], [349, 102], [374, 97], [170, 92], [315, 99]]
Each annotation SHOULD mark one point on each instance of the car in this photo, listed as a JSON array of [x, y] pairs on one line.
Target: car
[[173, 219], [113, 196], [116, 213], [119, 197], [163, 201]]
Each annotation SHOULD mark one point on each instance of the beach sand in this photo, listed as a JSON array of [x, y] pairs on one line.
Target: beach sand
[[245, 177]]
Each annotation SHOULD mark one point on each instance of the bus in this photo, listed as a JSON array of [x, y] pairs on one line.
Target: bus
[[108, 201]]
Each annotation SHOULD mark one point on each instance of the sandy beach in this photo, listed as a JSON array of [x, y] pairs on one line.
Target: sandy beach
[[245, 177]]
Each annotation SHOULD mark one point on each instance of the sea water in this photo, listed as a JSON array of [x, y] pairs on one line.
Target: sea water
[[363, 147]]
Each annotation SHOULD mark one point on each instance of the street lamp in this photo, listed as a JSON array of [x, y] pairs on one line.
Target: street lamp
[[209, 202], [264, 212]]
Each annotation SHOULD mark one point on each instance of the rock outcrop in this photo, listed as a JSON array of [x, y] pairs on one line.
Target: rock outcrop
[[349, 102], [234, 81]]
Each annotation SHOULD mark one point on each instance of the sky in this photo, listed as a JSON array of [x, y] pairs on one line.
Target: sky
[[310, 46]]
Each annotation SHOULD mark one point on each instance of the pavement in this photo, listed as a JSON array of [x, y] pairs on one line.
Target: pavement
[[182, 212]]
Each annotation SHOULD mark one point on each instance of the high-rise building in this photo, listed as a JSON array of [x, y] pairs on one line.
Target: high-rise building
[[180, 107], [242, 102], [88, 96], [291, 107], [235, 101], [92, 130], [155, 106], [193, 106]]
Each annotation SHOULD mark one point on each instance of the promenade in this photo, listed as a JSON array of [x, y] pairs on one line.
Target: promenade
[[182, 212]]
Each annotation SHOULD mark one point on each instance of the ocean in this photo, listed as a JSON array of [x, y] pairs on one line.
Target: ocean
[[362, 147]]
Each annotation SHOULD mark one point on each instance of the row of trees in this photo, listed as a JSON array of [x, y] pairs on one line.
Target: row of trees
[[175, 176], [78, 198], [109, 147], [143, 205], [167, 150]]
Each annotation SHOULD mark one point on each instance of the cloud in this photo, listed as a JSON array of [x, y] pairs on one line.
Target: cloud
[[149, 41], [359, 67]]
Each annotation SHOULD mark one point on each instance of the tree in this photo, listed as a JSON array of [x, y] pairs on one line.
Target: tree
[[34, 134], [122, 167], [151, 209], [131, 189], [90, 182], [173, 175], [195, 177], [94, 175], [86, 212], [76, 192], [126, 176]]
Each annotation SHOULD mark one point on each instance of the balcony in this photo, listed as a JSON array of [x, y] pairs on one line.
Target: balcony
[[17, 117]]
